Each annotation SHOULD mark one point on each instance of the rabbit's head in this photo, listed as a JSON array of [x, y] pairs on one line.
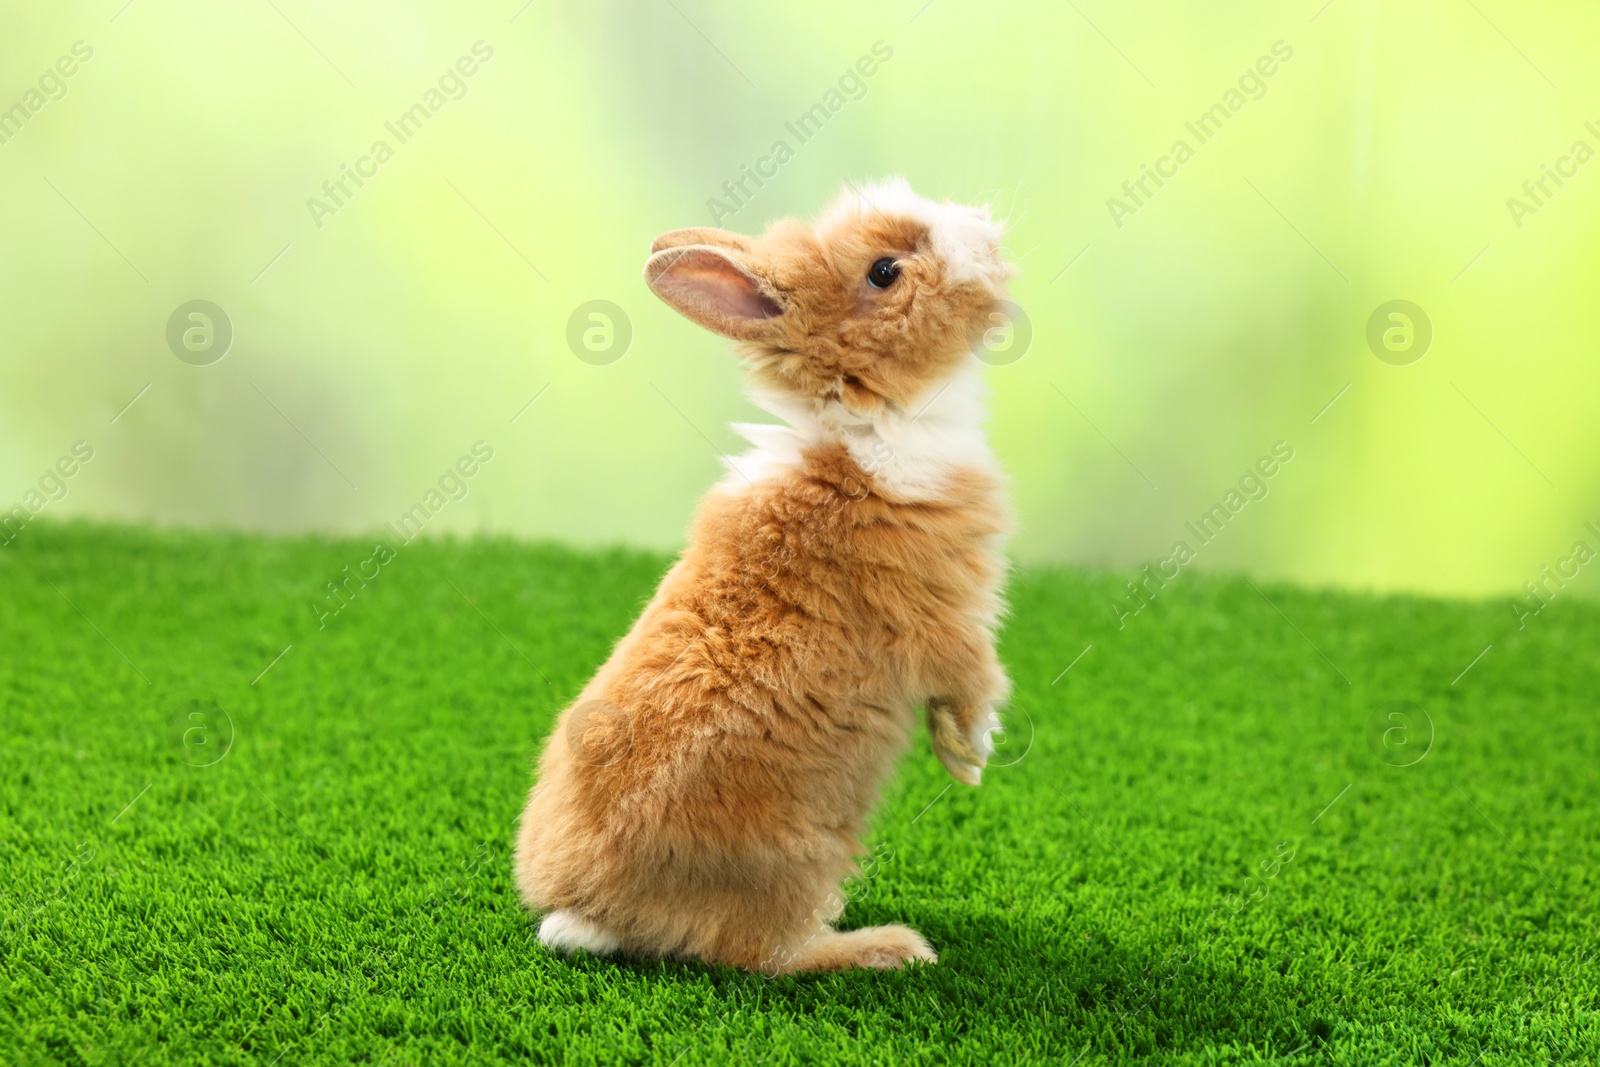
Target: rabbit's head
[[881, 298]]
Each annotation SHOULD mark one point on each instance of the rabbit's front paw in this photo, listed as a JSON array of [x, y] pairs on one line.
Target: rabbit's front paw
[[963, 742]]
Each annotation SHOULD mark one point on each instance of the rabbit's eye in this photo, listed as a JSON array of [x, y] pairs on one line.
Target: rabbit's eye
[[882, 274]]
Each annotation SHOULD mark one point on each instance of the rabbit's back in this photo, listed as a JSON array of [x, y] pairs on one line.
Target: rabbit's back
[[764, 694]]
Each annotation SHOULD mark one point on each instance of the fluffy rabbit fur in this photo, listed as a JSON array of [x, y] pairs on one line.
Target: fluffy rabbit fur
[[704, 796]]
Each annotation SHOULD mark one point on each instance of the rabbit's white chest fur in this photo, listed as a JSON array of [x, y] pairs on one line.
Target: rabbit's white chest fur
[[910, 454]]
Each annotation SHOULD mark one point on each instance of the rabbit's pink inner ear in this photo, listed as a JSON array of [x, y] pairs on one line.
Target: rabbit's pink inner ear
[[705, 285]]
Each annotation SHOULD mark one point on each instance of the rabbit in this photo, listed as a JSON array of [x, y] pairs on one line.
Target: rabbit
[[705, 795]]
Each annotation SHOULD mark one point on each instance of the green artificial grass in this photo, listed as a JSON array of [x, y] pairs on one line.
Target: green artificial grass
[[1206, 854]]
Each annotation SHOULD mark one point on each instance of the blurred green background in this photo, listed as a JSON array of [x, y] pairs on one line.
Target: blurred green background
[[1168, 353]]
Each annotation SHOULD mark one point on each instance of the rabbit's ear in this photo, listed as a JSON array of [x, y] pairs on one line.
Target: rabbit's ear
[[713, 287], [702, 235]]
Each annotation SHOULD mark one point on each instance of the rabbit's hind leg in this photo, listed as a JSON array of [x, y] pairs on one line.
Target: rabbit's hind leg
[[567, 931], [881, 948]]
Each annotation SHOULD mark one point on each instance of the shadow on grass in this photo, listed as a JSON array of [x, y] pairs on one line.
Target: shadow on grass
[[999, 982]]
